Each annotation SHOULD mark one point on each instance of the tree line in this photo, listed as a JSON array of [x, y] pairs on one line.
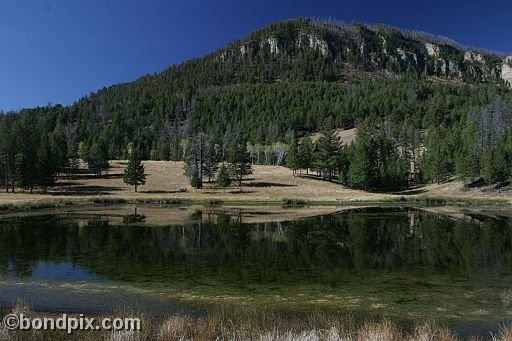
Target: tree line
[[472, 142], [371, 162], [30, 152], [204, 159]]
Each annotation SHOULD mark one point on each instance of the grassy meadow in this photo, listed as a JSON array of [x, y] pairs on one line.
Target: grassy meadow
[[166, 184]]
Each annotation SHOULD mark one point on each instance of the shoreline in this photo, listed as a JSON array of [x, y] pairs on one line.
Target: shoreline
[[29, 202], [251, 323], [24, 201]]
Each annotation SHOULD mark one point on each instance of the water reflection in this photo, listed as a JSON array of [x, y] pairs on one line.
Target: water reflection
[[401, 262], [224, 246]]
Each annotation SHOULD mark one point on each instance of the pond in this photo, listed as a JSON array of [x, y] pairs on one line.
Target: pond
[[397, 262]]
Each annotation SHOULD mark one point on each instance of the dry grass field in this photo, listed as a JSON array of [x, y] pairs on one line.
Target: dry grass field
[[267, 184]]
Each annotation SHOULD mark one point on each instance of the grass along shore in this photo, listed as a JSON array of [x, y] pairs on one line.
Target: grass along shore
[[272, 185], [248, 324]]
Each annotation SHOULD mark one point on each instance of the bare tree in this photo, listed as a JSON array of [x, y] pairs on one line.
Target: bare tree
[[492, 122]]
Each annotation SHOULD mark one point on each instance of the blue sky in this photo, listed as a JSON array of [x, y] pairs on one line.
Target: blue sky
[[60, 50]]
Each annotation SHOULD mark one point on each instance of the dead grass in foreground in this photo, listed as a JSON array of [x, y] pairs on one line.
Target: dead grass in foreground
[[242, 327]]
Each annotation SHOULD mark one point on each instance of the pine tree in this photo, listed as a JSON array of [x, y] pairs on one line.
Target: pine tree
[[97, 156], [223, 179], [293, 157], [194, 160], [495, 166], [191, 166], [134, 172], [161, 150], [240, 160], [194, 178], [392, 170], [411, 142], [468, 161], [329, 154], [306, 154], [436, 159], [45, 165], [5, 170], [74, 162], [212, 158], [363, 156], [22, 174], [26, 156], [7, 153], [59, 149]]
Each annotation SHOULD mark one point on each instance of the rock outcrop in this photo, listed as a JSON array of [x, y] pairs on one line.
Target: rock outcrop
[[432, 50], [470, 56], [506, 71], [374, 49], [313, 42]]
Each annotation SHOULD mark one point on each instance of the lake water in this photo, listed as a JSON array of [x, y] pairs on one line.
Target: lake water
[[401, 263]]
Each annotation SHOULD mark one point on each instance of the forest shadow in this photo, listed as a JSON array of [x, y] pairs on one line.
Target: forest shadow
[[268, 184], [96, 177], [480, 183], [319, 178], [83, 190], [227, 191], [161, 192], [61, 184], [411, 191], [476, 184], [241, 191]]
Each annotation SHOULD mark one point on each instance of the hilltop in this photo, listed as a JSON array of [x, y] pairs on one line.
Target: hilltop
[[425, 109], [290, 76]]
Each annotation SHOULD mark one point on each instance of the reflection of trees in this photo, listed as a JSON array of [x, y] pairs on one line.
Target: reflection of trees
[[134, 218], [486, 247], [224, 249]]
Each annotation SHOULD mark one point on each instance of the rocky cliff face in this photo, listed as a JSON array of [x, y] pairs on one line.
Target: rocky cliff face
[[313, 42], [506, 71], [374, 49]]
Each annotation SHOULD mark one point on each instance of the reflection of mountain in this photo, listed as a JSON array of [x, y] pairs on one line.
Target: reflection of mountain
[[224, 250]]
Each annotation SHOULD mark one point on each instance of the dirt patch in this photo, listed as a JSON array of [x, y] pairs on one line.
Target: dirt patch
[[345, 135]]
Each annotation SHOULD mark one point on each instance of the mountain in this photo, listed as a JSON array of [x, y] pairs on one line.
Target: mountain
[[306, 50], [378, 48], [292, 78]]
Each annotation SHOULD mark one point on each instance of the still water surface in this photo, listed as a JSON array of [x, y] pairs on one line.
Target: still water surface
[[399, 263]]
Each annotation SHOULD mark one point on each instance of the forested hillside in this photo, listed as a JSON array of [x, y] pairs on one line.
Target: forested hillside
[[425, 109]]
